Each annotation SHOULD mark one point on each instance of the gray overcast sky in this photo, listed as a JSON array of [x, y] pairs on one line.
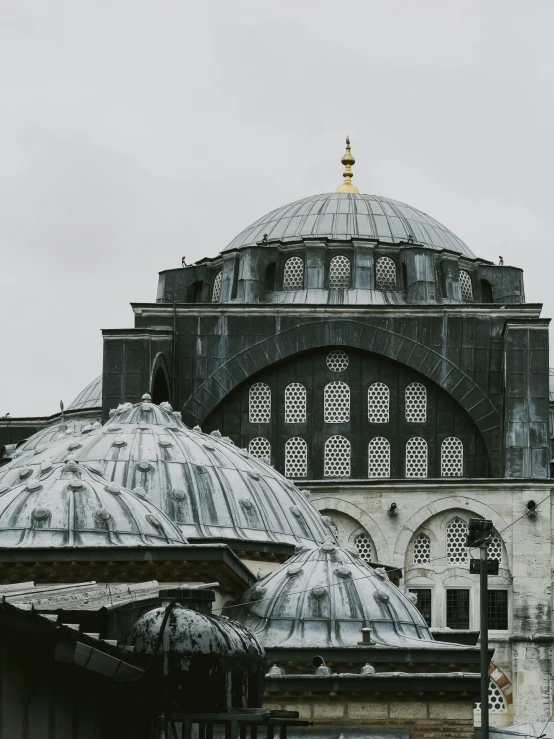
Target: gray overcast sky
[[134, 132]]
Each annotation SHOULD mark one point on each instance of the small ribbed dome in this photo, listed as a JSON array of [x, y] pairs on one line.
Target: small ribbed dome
[[89, 397], [203, 482], [41, 439], [324, 597], [341, 215], [68, 505]]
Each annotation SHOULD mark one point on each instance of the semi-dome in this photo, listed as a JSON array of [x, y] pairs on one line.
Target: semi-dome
[[351, 215], [324, 597], [89, 397], [204, 483], [70, 505]]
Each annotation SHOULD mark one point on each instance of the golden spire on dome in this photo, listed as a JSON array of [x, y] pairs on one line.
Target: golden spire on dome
[[348, 160]]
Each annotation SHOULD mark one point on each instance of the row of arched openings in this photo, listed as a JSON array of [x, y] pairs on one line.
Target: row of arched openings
[[337, 456], [456, 550]]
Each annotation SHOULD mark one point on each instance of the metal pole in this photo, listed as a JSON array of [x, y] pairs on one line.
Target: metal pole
[[484, 640]]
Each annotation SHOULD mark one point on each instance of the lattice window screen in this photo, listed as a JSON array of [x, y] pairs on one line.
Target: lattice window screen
[[336, 457], [495, 548], [456, 533], [416, 402], [336, 402], [216, 292], [378, 457], [422, 549], [295, 403], [497, 701], [260, 448], [416, 457], [296, 457], [339, 273], [466, 287], [334, 529], [378, 397], [259, 398], [293, 274], [364, 545], [452, 457], [337, 360], [385, 274]]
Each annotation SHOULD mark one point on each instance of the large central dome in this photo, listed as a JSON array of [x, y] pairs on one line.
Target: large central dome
[[348, 215]]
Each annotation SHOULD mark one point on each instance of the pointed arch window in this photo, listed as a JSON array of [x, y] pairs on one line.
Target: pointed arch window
[[416, 457], [416, 402], [456, 534], [261, 449], [296, 457], [339, 273], [466, 287], [452, 457], [293, 274], [385, 274], [337, 456], [378, 457], [365, 547], [259, 403], [295, 403], [378, 400], [422, 550], [336, 402], [216, 290]]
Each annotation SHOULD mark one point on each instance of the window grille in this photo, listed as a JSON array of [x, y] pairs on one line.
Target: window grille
[[378, 397], [422, 549], [416, 457], [456, 534], [364, 545], [334, 529], [466, 287], [260, 448], [259, 403], [339, 273], [216, 291], [424, 603], [337, 457], [337, 360], [495, 548], [457, 608], [416, 402], [295, 403], [336, 402], [296, 457], [497, 702], [452, 457], [378, 457], [385, 274], [498, 609], [293, 274]]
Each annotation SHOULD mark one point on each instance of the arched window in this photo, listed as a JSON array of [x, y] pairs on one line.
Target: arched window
[[259, 403], [378, 457], [452, 457], [416, 457], [495, 548], [378, 396], [293, 274], [296, 457], [422, 550], [295, 403], [364, 545], [216, 290], [260, 448], [336, 402], [336, 457], [497, 701], [270, 277], [486, 292], [456, 533], [334, 528], [385, 274], [466, 287], [337, 360], [339, 273], [416, 402]]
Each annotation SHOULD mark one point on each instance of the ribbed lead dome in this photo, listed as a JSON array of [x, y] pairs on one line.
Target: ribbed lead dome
[[351, 215], [204, 483]]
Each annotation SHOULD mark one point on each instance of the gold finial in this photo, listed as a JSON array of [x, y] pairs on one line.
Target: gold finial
[[348, 160]]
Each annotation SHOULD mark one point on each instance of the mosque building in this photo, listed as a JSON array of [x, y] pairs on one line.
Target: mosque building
[[310, 419]]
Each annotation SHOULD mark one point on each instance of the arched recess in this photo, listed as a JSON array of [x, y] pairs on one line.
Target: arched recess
[[357, 335], [336, 504], [159, 380], [451, 503]]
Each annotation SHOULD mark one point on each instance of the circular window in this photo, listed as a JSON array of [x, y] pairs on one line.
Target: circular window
[[337, 360]]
